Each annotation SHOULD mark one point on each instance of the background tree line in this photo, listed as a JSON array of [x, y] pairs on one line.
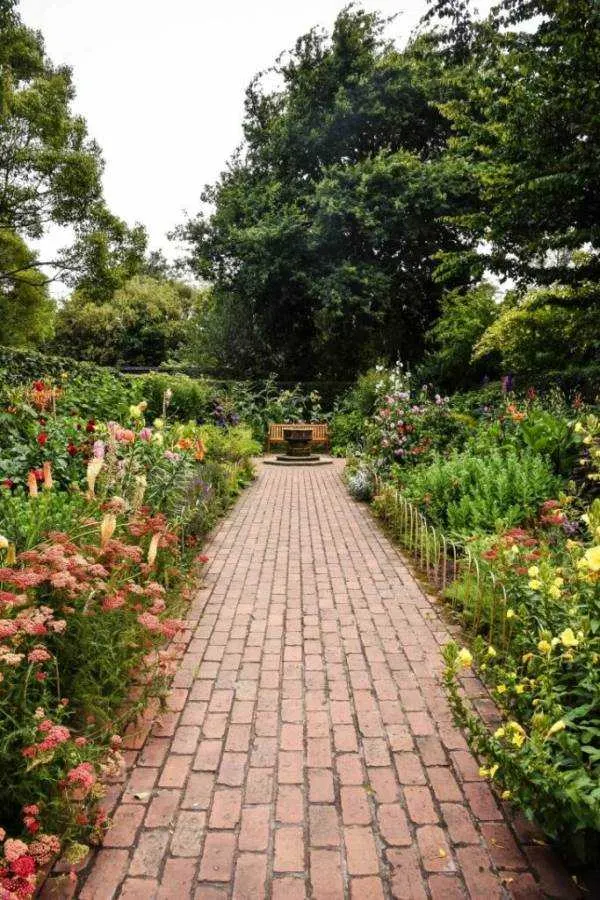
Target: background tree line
[[378, 194]]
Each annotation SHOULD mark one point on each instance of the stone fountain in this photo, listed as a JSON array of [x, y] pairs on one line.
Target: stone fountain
[[299, 449]]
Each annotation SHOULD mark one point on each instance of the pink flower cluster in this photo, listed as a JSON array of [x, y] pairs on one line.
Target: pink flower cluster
[[54, 735]]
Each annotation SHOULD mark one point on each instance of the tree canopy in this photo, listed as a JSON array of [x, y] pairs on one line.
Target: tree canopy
[[143, 323], [322, 230]]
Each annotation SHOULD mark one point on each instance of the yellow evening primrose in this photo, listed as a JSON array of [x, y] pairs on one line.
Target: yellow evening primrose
[[500, 732], [520, 688], [491, 651], [483, 772], [518, 739], [554, 729], [568, 638], [501, 688], [544, 646], [592, 558], [506, 795], [510, 613], [465, 658], [494, 769], [3, 542], [159, 423], [534, 584], [533, 571], [559, 581], [554, 592]]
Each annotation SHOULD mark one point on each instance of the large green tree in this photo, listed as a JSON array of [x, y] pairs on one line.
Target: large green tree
[[320, 234], [50, 170], [522, 92], [145, 322]]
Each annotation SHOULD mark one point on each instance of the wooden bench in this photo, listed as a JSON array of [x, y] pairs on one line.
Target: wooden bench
[[320, 433]]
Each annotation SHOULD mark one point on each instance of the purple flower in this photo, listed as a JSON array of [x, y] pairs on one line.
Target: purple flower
[[145, 434], [99, 449], [173, 457]]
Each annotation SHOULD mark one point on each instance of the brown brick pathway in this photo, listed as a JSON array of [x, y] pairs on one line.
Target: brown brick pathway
[[309, 750]]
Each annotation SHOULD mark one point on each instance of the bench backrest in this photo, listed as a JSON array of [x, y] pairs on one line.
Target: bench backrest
[[320, 430]]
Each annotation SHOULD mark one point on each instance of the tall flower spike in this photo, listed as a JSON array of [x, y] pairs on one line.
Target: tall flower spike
[[107, 528], [152, 549], [47, 469], [93, 470], [32, 485]]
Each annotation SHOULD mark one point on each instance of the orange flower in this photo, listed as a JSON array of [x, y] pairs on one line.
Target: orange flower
[[47, 469], [32, 484], [184, 444], [200, 450]]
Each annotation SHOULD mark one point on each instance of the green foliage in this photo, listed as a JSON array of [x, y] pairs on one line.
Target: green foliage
[[464, 317], [26, 310], [144, 323], [321, 240], [548, 325], [521, 90], [465, 494], [189, 398]]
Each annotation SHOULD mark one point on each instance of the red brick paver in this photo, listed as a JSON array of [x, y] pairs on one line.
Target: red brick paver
[[309, 751]]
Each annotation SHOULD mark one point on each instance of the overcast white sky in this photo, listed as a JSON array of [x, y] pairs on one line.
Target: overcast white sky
[[161, 85]]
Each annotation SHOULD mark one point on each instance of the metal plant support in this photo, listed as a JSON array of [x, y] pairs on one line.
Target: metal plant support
[[482, 598]]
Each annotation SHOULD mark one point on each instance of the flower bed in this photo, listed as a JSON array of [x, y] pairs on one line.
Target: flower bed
[[101, 525], [504, 517]]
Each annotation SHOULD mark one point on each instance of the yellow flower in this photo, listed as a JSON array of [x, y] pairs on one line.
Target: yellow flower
[[578, 428], [3, 542], [517, 733], [544, 646], [499, 732], [568, 638], [520, 688], [491, 651], [465, 658], [136, 412], [558, 726], [159, 423], [527, 656], [533, 571], [554, 592], [510, 613], [592, 558], [11, 555], [518, 739], [534, 584], [506, 795], [501, 688], [559, 582], [494, 769], [483, 772]]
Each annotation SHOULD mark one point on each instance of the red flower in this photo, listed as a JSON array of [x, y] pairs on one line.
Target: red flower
[[72, 449], [490, 554], [42, 438], [8, 483], [91, 426], [39, 385], [23, 866], [39, 474]]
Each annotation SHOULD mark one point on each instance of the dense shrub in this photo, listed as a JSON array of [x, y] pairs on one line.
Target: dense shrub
[[465, 495]]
